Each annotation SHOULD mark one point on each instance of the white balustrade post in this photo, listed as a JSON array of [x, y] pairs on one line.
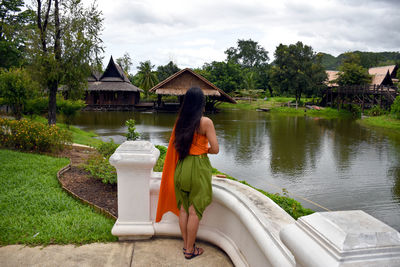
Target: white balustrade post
[[134, 161], [342, 238]]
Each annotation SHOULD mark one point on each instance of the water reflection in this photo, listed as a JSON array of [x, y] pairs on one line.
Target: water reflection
[[241, 135], [295, 144], [337, 163]]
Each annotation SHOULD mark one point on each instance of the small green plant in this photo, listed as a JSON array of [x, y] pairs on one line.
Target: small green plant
[[100, 168], [132, 134], [375, 111], [160, 162], [106, 149], [395, 108]]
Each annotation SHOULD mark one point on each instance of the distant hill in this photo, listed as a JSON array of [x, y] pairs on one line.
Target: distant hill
[[368, 59]]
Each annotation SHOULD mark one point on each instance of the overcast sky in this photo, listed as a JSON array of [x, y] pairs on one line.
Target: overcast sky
[[191, 33]]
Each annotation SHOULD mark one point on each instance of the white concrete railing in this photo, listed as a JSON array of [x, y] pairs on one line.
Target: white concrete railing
[[247, 225]]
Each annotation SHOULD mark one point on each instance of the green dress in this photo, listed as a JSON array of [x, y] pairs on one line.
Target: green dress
[[193, 183]]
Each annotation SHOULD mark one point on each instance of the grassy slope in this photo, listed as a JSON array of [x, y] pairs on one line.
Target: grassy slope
[[35, 210]]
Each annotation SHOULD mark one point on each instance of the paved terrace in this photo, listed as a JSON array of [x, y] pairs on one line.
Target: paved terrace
[[153, 252]]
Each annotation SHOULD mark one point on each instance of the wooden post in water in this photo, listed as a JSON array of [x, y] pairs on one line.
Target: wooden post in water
[[363, 99]]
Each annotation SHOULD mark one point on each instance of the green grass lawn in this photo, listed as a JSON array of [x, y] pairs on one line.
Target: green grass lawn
[[34, 209]]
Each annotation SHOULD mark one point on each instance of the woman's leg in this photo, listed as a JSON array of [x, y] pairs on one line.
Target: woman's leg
[[192, 227], [183, 221]]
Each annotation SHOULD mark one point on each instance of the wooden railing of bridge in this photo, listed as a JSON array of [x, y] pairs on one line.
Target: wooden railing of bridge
[[363, 95]]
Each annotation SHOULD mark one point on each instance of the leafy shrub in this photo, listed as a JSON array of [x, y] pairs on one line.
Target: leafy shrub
[[354, 109], [36, 106], [375, 111], [33, 136], [132, 134], [395, 108], [160, 162], [100, 168], [106, 149]]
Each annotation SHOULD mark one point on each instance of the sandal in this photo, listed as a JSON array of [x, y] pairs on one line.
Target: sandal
[[196, 252]]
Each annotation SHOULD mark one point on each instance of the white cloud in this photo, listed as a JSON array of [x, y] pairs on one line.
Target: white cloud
[[194, 32]]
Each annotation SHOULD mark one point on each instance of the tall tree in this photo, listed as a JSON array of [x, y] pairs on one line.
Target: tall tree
[[65, 47], [125, 62], [225, 75], [248, 54], [163, 72], [14, 24], [297, 70], [147, 78], [351, 72]]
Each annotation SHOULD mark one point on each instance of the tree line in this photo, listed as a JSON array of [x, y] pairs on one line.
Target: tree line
[[296, 70], [366, 59], [56, 44]]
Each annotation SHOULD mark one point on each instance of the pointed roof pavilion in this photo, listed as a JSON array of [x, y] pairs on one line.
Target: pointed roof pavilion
[[113, 79], [383, 75], [178, 83]]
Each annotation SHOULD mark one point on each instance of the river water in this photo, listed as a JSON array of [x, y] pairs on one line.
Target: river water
[[325, 164]]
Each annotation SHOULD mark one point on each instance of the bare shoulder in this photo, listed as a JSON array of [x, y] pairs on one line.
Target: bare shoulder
[[205, 123]]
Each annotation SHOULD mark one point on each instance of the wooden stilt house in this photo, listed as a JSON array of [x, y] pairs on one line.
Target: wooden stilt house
[[177, 85], [112, 90], [381, 90]]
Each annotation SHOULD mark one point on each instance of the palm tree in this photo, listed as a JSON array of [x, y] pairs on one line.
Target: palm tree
[[147, 77]]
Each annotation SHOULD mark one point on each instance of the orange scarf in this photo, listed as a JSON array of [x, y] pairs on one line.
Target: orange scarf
[[166, 197]]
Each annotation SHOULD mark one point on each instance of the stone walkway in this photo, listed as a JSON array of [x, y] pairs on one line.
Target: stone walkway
[[153, 252]]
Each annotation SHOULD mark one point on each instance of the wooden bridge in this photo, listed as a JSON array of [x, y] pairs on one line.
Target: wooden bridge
[[366, 96]]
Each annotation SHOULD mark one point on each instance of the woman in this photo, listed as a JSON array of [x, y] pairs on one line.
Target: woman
[[186, 180]]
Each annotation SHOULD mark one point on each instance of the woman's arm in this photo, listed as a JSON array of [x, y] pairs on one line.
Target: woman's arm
[[207, 126]]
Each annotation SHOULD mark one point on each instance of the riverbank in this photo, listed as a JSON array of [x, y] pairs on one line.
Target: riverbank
[[383, 122], [277, 105]]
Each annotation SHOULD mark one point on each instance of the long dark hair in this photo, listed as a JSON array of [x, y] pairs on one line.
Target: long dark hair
[[188, 120]]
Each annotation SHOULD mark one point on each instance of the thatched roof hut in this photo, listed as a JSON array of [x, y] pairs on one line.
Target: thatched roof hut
[[112, 90], [332, 76], [383, 75], [113, 79], [178, 83]]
